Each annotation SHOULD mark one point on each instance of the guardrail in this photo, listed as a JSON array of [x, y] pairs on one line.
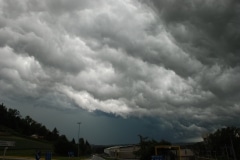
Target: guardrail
[[7, 143]]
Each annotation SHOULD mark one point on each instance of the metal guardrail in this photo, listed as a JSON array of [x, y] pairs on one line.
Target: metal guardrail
[[7, 143]]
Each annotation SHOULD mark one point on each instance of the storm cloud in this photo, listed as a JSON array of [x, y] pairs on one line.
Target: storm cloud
[[176, 61]]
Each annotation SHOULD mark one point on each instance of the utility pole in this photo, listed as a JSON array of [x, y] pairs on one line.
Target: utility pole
[[78, 135]]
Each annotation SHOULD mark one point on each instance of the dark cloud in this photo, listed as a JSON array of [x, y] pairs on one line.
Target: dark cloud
[[175, 62], [210, 26]]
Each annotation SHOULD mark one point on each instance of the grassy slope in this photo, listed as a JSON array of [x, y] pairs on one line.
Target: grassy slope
[[25, 146]]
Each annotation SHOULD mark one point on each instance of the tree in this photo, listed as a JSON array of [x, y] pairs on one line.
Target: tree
[[225, 141], [3, 114], [55, 134], [62, 146], [88, 148], [11, 118], [14, 113], [73, 141], [29, 120], [147, 147], [81, 146]]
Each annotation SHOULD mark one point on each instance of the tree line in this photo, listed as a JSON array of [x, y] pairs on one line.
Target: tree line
[[26, 126], [147, 147], [223, 144]]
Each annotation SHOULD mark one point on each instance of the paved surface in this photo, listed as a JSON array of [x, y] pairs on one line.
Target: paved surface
[[16, 158], [95, 157]]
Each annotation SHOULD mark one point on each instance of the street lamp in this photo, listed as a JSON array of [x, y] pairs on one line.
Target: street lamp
[[78, 135]]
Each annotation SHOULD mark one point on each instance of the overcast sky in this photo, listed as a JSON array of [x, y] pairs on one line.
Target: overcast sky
[[163, 69]]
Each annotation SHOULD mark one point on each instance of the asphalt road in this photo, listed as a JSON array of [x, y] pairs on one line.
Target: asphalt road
[[94, 157], [97, 158]]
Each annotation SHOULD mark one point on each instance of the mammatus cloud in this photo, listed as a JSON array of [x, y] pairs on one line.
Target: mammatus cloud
[[175, 61]]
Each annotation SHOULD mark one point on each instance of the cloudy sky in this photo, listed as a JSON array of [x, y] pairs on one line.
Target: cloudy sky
[[163, 69]]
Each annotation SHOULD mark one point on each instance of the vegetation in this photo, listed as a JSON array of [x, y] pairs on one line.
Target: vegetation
[[11, 118], [224, 143], [147, 147], [30, 136], [25, 146]]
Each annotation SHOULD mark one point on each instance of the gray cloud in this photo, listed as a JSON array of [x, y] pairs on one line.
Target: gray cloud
[[175, 61], [210, 26]]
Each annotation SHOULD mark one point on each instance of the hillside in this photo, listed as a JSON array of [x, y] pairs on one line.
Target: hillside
[[14, 127], [24, 146]]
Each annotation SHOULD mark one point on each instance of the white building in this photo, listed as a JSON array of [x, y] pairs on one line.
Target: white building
[[124, 152]]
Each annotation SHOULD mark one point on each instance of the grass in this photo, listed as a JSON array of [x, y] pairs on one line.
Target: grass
[[42, 158], [53, 158], [23, 143], [25, 146]]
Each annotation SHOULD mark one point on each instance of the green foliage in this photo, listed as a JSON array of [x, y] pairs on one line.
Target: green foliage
[[26, 126], [62, 146], [225, 142], [11, 120], [84, 147], [25, 146], [147, 147]]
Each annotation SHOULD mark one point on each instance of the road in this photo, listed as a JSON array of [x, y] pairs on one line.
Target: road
[[95, 157]]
